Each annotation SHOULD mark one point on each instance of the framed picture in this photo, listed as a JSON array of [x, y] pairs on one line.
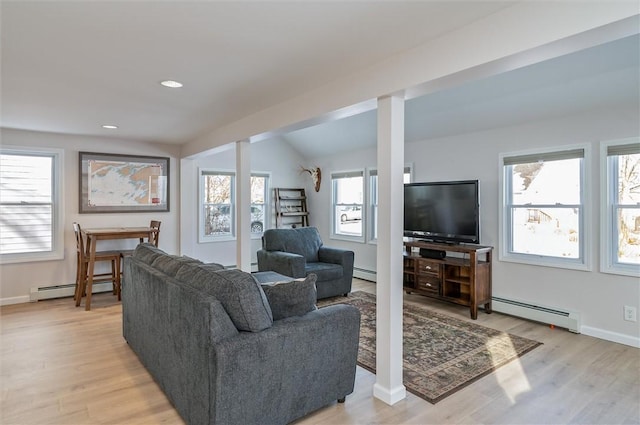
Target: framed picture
[[123, 183]]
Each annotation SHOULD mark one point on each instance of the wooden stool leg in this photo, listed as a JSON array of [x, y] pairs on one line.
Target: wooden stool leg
[[118, 279]]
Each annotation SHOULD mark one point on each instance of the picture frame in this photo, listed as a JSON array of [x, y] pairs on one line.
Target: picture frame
[[119, 183]]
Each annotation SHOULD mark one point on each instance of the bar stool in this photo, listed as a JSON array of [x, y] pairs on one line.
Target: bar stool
[[154, 237], [82, 268]]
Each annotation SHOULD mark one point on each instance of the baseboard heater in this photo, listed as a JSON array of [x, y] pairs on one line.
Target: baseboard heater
[[564, 319], [364, 274], [61, 291]]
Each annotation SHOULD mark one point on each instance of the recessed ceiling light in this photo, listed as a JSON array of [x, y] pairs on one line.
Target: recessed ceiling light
[[171, 84], [110, 127]]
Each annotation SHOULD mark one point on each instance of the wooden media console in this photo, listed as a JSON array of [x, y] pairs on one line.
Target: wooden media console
[[458, 273]]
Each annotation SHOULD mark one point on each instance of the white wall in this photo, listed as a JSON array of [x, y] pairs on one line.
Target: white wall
[[18, 279], [599, 297], [273, 156]]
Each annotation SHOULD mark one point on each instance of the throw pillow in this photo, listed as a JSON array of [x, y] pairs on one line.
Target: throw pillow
[[295, 297]]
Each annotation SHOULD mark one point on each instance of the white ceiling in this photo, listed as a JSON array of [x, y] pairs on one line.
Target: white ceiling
[[72, 66], [602, 77]]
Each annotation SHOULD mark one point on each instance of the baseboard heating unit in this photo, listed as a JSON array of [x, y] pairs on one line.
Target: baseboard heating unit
[[364, 274], [552, 316], [60, 291]]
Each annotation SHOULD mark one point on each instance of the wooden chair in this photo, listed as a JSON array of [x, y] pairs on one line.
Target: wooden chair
[[154, 225], [155, 232], [82, 256]]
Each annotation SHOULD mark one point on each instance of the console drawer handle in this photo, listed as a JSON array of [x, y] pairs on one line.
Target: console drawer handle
[[428, 284], [427, 267]]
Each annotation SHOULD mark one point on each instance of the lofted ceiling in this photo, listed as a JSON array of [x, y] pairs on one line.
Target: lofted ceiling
[[602, 77], [72, 66]]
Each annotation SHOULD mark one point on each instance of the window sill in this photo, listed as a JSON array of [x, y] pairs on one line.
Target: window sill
[[357, 239], [31, 258], [538, 260]]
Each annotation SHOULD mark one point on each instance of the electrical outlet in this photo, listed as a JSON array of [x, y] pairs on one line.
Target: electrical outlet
[[630, 313]]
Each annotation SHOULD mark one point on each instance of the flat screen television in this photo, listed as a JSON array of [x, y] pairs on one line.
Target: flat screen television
[[446, 212]]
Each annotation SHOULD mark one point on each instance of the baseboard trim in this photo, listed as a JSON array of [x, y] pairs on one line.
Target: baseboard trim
[[629, 340], [14, 300]]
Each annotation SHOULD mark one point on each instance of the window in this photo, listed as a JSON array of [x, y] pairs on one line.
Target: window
[[373, 199], [543, 219], [218, 204], [347, 194], [32, 227], [621, 230], [259, 201]]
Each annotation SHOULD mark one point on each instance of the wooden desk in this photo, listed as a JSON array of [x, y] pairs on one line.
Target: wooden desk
[[107, 233]]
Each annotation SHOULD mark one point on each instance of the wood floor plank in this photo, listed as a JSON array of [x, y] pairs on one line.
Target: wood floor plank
[[62, 365]]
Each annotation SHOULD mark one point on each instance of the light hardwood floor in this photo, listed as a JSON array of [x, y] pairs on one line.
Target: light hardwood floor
[[63, 365]]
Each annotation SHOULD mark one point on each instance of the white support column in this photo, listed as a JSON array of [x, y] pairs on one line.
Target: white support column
[[388, 386], [243, 205]]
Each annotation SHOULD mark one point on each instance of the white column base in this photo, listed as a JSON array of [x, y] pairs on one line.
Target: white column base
[[389, 396]]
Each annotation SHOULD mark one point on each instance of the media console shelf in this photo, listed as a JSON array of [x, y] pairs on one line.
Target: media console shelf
[[463, 276]]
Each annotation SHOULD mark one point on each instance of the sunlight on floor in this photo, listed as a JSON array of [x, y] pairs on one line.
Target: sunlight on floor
[[511, 378]]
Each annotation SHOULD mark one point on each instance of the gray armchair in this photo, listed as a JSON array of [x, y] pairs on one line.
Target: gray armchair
[[299, 252]]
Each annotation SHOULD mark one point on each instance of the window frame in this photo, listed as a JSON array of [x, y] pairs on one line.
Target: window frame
[[334, 205], [372, 201], [583, 262], [57, 201], [267, 202], [202, 237], [232, 235], [608, 226]]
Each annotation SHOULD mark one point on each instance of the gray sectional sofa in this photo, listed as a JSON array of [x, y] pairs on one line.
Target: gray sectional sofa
[[228, 350]]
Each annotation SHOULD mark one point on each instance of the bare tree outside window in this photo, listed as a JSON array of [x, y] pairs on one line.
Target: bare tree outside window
[[628, 208], [217, 204]]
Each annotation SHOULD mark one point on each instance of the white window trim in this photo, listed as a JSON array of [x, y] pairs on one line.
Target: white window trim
[[607, 247], [57, 252], [202, 238], [267, 202], [232, 237], [371, 223], [333, 234], [582, 264]]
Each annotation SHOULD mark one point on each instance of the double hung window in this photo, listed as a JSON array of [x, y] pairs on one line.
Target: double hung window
[[217, 194], [217, 203], [373, 200], [347, 195], [543, 218], [31, 228], [621, 228]]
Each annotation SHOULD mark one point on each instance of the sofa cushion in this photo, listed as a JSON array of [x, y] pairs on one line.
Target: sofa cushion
[[239, 293], [147, 253], [170, 264], [325, 271], [295, 297], [270, 277], [303, 241]]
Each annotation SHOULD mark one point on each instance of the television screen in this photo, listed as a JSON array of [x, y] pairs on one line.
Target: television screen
[[442, 211]]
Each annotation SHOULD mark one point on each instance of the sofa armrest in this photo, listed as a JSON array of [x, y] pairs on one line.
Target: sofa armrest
[[285, 263], [318, 351], [336, 256]]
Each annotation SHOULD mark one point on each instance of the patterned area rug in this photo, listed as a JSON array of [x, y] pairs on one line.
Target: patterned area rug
[[442, 354]]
